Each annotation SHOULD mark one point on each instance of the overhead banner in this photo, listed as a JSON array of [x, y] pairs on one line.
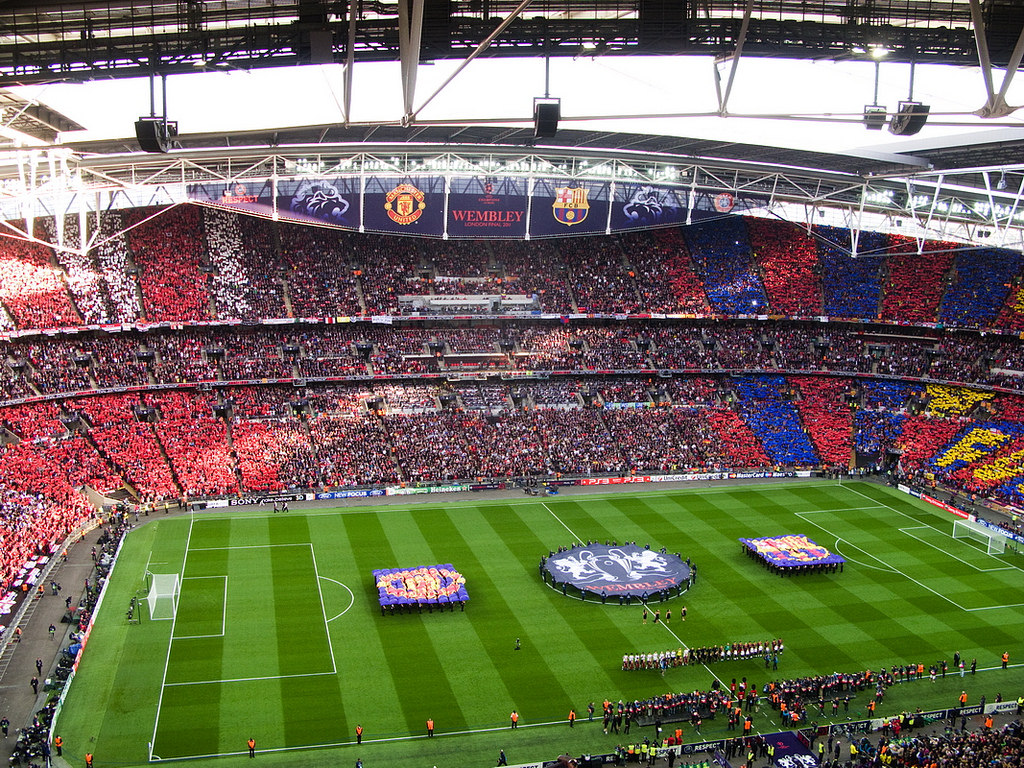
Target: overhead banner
[[247, 197], [714, 205], [641, 206], [475, 207], [404, 205], [320, 201], [487, 207], [560, 208]]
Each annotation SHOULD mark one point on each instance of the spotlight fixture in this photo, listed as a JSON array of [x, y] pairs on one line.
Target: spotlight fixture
[[1001, 184]]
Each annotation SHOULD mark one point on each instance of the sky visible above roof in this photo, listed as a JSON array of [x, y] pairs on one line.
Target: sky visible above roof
[[670, 95]]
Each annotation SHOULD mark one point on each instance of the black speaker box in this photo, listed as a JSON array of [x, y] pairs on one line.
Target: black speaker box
[[152, 135], [545, 120], [909, 119]]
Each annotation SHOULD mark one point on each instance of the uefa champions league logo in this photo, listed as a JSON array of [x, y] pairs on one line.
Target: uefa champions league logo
[[611, 565], [617, 569]]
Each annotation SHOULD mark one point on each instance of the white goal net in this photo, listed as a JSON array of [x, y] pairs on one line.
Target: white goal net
[[993, 542], [163, 595]]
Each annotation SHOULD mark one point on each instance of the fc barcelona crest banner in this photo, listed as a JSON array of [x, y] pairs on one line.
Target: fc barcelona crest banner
[[406, 206], [642, 206], [560, 208]]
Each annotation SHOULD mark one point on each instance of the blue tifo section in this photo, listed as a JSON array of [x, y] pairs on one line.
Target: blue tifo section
[[887, 394], [721, 252], [980, 449], [852, 285], [874, 431], [1011, 489], [774, 419], [980, 285]]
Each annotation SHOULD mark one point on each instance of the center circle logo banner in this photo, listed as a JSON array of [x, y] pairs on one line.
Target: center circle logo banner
[[617, 570]]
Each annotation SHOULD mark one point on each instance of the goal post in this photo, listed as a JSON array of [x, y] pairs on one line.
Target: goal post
[[994, 542], [162, 597]]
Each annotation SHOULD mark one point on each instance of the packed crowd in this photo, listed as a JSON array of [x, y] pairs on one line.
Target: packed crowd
[[995, 747], [187, 263], [100, 360]]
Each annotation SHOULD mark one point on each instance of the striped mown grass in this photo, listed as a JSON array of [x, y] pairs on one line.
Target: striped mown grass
[[278, 634]]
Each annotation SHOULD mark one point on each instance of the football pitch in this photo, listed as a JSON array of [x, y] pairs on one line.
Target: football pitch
[[278, 634]]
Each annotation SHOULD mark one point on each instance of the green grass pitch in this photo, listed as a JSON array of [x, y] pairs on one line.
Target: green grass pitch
[[278, 634]]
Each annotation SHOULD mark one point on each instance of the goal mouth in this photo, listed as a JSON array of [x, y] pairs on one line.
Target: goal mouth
[[993, 542], [164, 589]]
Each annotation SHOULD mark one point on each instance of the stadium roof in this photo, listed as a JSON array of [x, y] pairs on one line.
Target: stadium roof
[[719, 84]]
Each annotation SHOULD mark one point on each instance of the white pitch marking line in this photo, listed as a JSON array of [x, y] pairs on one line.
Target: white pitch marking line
[[574, 536], [678, 640], [170, 641], [251, 679], [350, 594], [933, 527], [323, 610], [251, 546], [907, 531], [911, 578]]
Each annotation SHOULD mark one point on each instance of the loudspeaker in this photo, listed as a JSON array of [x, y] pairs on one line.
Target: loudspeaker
[[545, 119], [874, 117], [910, 118], [152, 136], [321, 46]]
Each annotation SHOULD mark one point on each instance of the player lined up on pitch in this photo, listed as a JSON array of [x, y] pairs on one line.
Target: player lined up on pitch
[[680, 656]]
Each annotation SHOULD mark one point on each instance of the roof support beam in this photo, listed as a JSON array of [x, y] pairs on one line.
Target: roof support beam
[[484, 45], [410, 31], [723, 99], [995, 103], [350, 60]]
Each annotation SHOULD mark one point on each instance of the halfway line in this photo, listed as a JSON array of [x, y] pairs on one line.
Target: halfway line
[[570, 530]]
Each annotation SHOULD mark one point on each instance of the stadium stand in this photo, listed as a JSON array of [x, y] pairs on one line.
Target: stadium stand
[[788, 260], [851, 284], [722, 253], [981, 282], [327, 425]]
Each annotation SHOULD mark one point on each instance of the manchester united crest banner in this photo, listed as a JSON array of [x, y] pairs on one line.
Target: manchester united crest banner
[[560, 208], [406, 206]]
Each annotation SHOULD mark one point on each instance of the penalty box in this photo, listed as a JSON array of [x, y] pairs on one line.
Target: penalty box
[[250, 626], [225, 593]]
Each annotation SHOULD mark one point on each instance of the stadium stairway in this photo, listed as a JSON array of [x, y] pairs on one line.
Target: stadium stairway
[[17, 702]]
